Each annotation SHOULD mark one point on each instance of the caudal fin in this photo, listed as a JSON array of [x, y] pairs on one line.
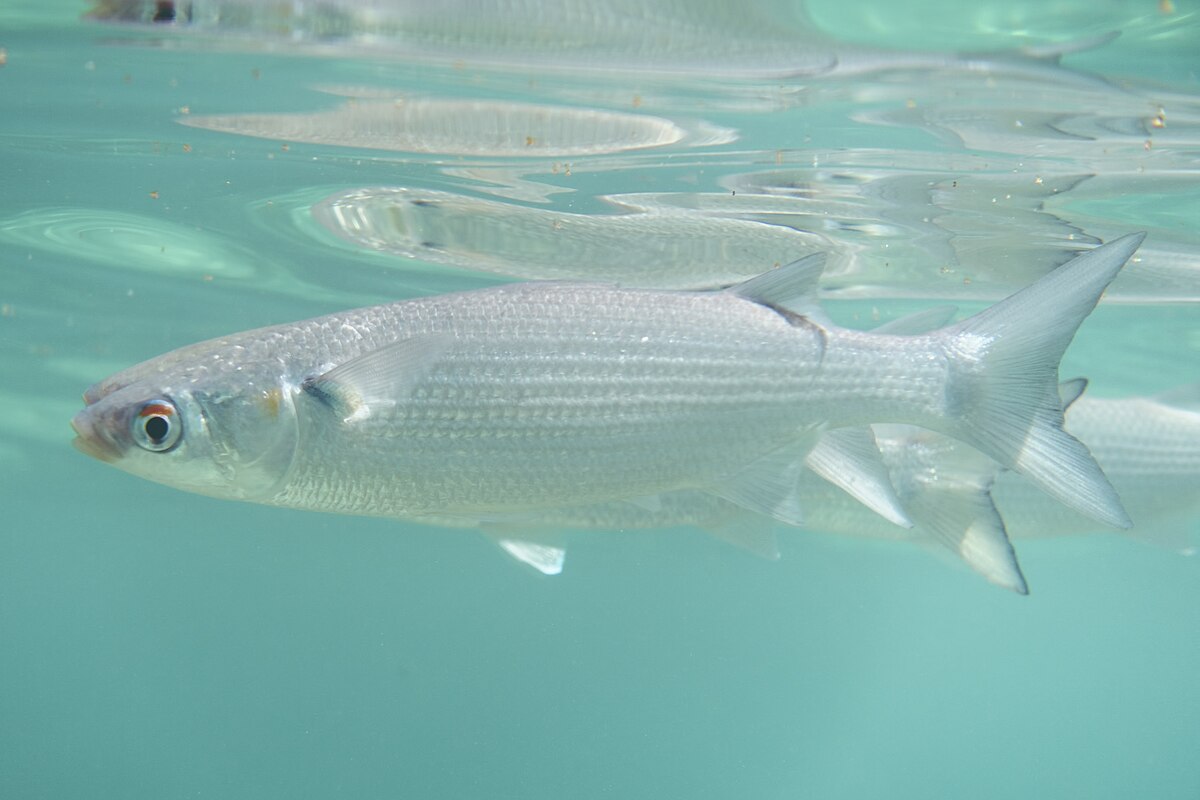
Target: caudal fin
[[1004, 385]]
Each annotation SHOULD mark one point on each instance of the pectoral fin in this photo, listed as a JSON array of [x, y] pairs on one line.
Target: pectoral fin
[[379, 379]]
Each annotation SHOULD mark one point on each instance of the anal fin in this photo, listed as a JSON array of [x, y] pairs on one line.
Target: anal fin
[[948, 496], [965, 521], [849, 459], [750, 532], [769, 486]]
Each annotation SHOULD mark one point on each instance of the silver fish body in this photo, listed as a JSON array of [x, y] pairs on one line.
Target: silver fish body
[[666, 38], [1149, 447], [534, 396], [485, 405]]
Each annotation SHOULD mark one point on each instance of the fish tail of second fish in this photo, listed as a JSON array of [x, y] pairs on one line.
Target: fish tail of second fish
[[1003, 396]]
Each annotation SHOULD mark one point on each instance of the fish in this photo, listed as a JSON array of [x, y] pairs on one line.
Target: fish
[[886, 233], [665, 38], [687, 250], [1149, 446], [964, 503], [478, 409]]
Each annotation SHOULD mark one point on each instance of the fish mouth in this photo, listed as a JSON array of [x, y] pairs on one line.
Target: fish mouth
[[90, 441]]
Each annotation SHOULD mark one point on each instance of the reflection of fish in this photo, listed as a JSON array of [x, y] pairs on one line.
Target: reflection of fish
[[661, 36], [885, 232], [672, 249], [470, 127], [903, 233], [480, 407]]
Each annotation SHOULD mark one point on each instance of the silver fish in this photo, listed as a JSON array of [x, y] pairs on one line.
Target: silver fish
[[1149, 447], [666, 37], [687, 250], [481, 407]]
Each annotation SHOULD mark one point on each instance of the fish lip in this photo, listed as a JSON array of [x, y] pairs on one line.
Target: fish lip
[[89, 441]]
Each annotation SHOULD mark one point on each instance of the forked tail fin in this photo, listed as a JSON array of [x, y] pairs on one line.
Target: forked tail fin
[[1004, 386]]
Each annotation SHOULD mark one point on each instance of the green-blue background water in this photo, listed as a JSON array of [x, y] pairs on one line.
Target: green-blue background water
[[157, 644]]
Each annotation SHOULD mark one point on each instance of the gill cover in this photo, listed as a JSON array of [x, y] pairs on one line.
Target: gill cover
[[253, 436]]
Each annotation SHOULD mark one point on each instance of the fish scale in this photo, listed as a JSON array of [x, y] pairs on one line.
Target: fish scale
[[540, 420]]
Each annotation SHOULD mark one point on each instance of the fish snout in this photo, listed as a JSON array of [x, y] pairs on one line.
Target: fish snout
[[98, 391], [90, 438]]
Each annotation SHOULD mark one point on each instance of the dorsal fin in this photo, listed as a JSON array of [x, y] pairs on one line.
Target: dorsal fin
[[792, 286]]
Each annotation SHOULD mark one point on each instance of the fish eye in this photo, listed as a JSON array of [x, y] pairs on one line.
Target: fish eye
[[156, 426]]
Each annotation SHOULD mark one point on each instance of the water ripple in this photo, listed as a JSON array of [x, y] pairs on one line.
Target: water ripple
[[131, 242]]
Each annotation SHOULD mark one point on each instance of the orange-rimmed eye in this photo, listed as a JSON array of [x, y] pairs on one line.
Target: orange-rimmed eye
[[156, 426]]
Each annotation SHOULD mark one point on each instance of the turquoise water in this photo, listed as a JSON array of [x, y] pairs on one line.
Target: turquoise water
[[158, 644]]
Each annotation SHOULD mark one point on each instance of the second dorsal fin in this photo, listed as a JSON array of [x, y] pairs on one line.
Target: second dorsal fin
[[792, 286]]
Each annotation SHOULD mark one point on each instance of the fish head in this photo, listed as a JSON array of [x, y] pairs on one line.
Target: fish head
[[224, 437]]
